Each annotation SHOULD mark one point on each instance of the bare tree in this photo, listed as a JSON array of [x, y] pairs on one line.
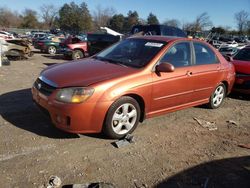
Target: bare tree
[[202, 22], [241, 19], [48, 14], [173, 23], [103, 15], [9, 18]]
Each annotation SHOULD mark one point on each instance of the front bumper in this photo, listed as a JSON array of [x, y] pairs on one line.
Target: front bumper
[[86, 117], [66, 52]]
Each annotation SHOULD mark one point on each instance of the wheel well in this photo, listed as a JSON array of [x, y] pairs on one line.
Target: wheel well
[[141, 103], [52, 45], [80, 50]]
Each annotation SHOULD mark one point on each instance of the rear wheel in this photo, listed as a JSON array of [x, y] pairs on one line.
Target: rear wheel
[[52, 50], [77, 54], [30, 54], [122, 117], [217, 97]]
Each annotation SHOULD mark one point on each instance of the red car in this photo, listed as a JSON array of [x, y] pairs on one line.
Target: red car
[[137, 78], [74, 48], [241, 62]]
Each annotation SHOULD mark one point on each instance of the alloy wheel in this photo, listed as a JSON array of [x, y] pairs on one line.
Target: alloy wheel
[[52, 50], [124, 118], [218, 96]]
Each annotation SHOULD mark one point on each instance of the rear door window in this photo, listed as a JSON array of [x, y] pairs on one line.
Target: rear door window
[[204, 55]]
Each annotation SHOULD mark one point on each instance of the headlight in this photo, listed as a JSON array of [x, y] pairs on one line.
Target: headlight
[[74, 95]]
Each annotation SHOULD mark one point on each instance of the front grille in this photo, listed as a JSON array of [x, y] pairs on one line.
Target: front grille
[[43, 87]]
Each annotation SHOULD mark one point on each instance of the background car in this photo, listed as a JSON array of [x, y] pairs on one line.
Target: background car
[[158, 30], [74, 47], [137, 78], [241, 62], [80, 47], [6, 35], [18, 48], [230, 51], [49, 45], [38, 36], [231, 44]]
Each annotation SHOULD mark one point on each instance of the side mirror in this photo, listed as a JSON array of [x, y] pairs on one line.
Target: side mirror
[[228, 58], [165, 67]]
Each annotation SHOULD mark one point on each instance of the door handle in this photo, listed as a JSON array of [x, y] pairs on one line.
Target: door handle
[[189, 73]]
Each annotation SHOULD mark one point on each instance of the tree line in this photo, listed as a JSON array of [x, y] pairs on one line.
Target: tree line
[[76, 18]]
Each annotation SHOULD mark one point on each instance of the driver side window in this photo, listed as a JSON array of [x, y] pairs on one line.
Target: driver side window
[[178, 55]]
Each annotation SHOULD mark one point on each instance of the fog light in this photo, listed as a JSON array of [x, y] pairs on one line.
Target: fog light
[[63, 120]]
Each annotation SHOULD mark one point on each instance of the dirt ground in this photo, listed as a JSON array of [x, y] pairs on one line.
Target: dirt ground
[[169, 151]]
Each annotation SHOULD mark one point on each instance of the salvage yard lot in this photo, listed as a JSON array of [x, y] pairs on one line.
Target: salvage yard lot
[[172, 147]]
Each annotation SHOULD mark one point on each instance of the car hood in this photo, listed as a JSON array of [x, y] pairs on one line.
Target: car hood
[[84, 72], [242, 66]]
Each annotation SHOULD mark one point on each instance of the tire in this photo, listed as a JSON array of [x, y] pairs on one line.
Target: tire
[[52, 50], [77, 54], [31, 54], [122, 118], [217, 97]]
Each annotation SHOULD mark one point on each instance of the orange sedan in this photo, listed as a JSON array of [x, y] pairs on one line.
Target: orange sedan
[[137, 78]]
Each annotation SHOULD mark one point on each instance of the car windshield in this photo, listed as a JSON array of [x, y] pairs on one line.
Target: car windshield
[[243, 55], [132, 52]]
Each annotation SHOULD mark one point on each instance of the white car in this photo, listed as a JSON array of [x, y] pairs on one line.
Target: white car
[[231, 44], [6, 35]]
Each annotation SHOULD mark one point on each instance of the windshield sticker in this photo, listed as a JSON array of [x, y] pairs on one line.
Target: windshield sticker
[[154, 44]]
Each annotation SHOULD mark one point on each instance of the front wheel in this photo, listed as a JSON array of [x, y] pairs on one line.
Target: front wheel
[[77, 54], [217, 97], [52, 50], [122, 117]]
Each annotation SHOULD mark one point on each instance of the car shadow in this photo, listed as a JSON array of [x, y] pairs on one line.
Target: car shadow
[[239, 96], [56, 56], [17, 108], [225, 173], [49, 64], [100, 136], [37, 52]]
